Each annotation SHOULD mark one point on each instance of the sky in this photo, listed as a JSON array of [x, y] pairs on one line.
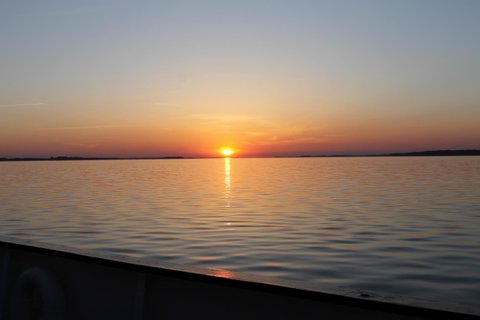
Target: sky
[[142, 78]]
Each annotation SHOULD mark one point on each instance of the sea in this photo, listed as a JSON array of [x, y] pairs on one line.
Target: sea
[[403, 226]]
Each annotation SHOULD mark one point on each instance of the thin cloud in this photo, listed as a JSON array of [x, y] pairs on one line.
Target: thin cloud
[[334, 135], [166, 104], [226, 118], [35, 104], [107, 126], [62, 13], [83, 145]]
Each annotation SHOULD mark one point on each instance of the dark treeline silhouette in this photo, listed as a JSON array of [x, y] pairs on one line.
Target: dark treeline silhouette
[[471, 152], [430, 153], [70, 158]]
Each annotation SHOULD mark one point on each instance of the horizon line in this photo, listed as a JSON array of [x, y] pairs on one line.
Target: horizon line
[[439, 152]]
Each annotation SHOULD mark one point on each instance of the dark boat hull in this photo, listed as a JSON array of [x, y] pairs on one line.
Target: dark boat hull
[[63, 283]]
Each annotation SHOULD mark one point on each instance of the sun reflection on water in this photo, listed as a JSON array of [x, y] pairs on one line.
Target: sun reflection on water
[[222, 273], [228, 181]]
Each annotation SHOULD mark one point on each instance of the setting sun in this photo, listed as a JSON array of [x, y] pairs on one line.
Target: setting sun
[[227, 152]]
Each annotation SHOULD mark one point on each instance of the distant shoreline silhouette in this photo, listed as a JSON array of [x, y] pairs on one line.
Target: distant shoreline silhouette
[[429, 153]]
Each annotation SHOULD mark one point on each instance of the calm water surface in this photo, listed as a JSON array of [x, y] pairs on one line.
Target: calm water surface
[[408, 226]]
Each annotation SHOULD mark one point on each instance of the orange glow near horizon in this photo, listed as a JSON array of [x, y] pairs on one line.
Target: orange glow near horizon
[[227, 152], [240, 138]]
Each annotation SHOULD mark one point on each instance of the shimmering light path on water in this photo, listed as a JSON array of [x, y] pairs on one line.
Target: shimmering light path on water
[[408, 226]]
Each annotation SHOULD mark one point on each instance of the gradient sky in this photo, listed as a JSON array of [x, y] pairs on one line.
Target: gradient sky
[[159, 78]]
